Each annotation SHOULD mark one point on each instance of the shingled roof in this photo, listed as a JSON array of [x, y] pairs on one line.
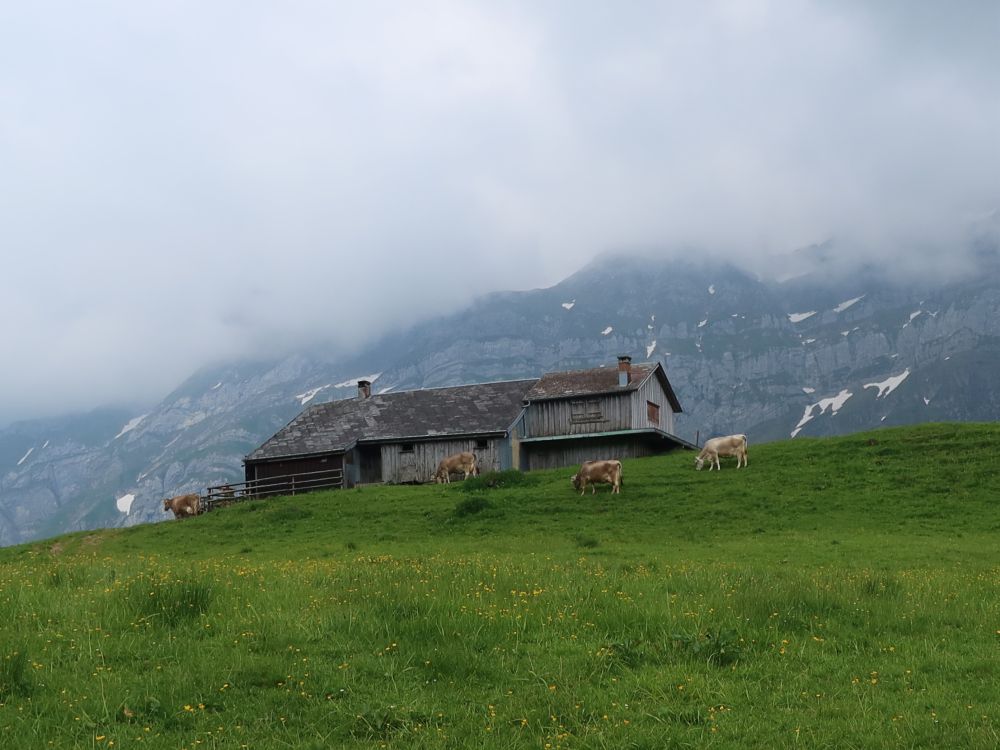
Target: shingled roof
[[337, 425], [598, 381]]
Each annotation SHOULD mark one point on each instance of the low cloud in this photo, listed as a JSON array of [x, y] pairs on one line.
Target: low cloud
[[186, 182]]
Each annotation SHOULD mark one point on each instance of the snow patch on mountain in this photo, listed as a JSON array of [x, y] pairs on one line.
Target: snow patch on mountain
[[912, 316], [216, 386], [25, 456], [888, 385], [808, 390], [130, 425], [649, 350], [124, 503], [569, 305], [799, 317], [833, 403], [198, 416], [607, 330], [703, 323], [305, 398], [844, 305], [711, 289]]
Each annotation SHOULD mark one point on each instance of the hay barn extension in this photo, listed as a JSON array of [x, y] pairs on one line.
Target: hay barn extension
[[560, 419]]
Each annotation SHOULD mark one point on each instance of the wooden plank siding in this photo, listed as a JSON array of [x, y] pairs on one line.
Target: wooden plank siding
[[266, 477], [290, 466], [578, 416], [568, 453], [419, 465], [651, 392]]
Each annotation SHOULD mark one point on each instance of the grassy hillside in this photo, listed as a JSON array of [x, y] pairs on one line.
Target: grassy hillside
[[837, 593]]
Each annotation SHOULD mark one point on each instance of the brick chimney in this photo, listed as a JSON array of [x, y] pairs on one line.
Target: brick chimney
[[364, 389], [624, 370]]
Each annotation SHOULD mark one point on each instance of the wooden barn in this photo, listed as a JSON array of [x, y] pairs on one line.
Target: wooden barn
[[561, 419], [572, 417], [394, 437]]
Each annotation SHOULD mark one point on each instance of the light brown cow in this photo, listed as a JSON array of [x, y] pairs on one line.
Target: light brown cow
[[598, 472], [183, 505], [731, 445], [460, 462]]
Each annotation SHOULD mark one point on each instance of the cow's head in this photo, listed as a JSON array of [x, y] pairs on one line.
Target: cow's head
[[166, 504], [698, 463], [575, 481]]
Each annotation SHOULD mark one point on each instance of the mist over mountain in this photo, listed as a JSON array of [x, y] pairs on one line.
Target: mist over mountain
[[832, 349]]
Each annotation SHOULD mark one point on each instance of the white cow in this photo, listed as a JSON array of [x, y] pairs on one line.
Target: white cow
[[731, 445]]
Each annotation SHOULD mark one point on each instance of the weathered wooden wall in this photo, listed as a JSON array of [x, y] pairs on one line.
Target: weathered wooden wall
[[571, 453], [291, 466], [420, 464], [566, 416], [651, 391], [294, 475]]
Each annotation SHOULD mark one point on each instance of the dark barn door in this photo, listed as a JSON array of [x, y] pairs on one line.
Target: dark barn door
[[370, 458], [297, 474]]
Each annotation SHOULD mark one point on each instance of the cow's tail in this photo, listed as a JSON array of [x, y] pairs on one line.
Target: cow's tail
[[621, 475]]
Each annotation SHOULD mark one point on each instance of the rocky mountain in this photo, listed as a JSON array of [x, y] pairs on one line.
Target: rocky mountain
[[830, 351]]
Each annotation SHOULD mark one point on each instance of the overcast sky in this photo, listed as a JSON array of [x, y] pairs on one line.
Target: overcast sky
[[188, 181]]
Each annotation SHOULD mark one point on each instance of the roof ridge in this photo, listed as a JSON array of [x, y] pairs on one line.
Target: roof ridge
[[461, 385]]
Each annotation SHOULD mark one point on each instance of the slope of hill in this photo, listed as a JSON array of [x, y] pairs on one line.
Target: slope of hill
[[838, 592], [824, 353]]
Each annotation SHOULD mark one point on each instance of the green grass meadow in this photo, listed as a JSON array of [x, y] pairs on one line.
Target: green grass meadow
[[838, 593]]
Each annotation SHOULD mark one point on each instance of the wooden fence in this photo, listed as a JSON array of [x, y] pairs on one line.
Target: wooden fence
[[293, 484]]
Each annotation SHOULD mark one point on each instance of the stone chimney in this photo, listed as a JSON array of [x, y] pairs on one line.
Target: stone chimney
[[624, 370], [364, 389]]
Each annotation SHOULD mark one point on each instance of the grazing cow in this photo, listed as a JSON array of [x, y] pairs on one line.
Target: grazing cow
[[183, 505], [731, 445], [460, 462], [598, 472]]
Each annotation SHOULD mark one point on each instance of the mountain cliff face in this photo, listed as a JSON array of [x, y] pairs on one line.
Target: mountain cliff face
[[820, 354]]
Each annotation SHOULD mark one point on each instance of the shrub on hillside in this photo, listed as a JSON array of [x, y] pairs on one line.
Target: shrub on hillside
[[15, 674], [472, 505], [495, 480], [718, 647], [164, 601]]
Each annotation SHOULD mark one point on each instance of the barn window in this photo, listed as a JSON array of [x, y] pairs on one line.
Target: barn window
[[406, 448], [653, 412], [585, 410], [482, 445]]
